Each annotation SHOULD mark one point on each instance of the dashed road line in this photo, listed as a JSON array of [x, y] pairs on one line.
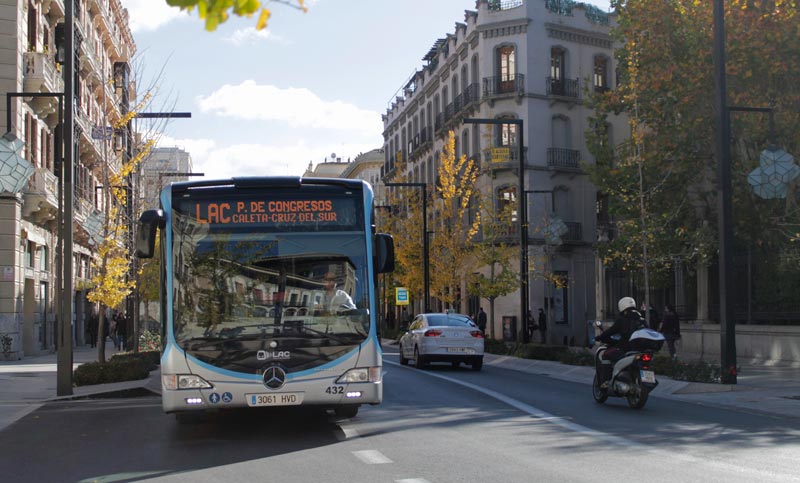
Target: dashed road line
[[372, 457]]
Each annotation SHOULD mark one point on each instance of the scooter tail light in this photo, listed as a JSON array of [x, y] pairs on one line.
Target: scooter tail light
[[647, 357]]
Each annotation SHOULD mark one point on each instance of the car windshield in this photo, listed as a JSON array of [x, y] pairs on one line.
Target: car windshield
[[449, 320]]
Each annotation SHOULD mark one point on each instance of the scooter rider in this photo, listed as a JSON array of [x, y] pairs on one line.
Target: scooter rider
[[627, 323]]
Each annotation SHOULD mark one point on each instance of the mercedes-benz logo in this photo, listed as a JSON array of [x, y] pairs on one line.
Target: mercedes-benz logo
[[274, 377]]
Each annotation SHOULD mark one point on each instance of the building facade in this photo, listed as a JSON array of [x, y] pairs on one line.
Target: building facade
[[534, 61], [161, 167], [33, 53]]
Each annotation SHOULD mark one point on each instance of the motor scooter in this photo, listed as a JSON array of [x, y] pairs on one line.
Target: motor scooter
[[632, 376]]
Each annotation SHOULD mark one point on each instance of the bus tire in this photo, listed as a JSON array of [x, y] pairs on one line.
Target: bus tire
[[348, 411]]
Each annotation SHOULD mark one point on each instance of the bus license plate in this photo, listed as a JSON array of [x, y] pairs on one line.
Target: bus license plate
[[648, 376], [462, 350], [277, 399]]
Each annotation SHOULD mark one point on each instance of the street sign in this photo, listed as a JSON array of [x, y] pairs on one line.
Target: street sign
[[102, 132], [401, 296]]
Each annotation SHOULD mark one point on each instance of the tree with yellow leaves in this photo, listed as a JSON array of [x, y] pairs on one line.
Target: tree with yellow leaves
[[215, 12], [454, 230], [402, 218]]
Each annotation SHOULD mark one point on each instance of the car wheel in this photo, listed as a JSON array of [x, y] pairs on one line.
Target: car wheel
[[477, 364], [403, 360], [419, 362], [349, 411]]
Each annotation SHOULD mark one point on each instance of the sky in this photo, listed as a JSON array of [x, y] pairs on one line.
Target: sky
[[308, 86]]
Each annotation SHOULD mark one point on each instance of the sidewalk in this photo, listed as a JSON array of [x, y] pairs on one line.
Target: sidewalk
[[27, 384]]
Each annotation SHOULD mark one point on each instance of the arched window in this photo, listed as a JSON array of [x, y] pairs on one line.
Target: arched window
[[557, 81], [506, 69], [507, 133], [600, 78], [507, 196]]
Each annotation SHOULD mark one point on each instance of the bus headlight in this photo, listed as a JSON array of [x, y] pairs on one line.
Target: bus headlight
[[184, 381], [361, 374]]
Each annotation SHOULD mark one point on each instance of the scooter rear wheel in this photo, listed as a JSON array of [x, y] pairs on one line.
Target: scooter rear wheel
[[637, 397], [600, 395]]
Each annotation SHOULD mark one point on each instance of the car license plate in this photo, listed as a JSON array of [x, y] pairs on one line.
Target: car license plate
[[277, 399], [462, 350], [648, 376]]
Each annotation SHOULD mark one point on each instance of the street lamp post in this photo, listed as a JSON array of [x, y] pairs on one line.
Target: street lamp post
[[425, 267], [727, 322], [523, 223]]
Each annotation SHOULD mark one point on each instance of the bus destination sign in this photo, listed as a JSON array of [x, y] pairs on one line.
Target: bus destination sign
[[327, 211]]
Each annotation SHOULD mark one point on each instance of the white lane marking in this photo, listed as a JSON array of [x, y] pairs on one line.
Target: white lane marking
[[412, 480], [760, 474], [536, 412], [372, 457]]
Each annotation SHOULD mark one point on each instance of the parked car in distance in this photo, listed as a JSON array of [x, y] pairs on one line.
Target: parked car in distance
[[441, 337]]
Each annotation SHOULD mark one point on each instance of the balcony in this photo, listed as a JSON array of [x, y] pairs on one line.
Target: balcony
[[471, 96], [504, 86], [503, 157], [574, 232], [562, 158], [41, 197], [421, 142], [438, 124], [563, 87], [41, 75]]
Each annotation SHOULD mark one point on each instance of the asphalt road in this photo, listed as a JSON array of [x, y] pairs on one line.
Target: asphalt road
[[438, 425]]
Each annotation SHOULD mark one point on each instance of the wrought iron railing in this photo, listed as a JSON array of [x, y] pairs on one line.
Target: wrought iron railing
[[563, 158], [563, 87], [500, 85]]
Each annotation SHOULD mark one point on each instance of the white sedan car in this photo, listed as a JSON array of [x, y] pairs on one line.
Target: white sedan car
[[453, 338]]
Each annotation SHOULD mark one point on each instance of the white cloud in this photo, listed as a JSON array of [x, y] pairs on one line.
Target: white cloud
[[258, 159], [251, 36], [150, 14], [297, 107]]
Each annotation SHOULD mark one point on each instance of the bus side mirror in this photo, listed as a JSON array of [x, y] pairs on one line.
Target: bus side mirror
[[384, 253], [149, 223]]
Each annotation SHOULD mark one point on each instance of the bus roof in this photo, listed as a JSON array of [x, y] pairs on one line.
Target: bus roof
[[268, 182]]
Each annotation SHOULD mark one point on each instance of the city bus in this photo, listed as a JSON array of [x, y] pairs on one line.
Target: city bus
[[268, 293]]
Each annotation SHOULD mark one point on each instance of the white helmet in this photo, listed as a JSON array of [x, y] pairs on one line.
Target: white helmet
[[626, 303]]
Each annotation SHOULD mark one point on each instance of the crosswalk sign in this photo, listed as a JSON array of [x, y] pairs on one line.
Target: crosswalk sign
[[401, 296]]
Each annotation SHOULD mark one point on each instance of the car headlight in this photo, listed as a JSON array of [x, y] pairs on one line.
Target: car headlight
[[184, 381], [361, 374]]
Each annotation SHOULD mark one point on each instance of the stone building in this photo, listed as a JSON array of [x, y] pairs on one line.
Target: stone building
[[32, 50], [534, 61], [161, 167]]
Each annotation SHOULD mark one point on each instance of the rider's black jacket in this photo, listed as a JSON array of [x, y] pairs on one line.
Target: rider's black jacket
[[626, 324]]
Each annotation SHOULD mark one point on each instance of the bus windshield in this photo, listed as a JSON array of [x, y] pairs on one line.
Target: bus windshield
[[258, 290]]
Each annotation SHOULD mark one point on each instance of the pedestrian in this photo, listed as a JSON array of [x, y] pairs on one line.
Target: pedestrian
[[92, 329], [653, 318], [542, 326], [531, 325], [122, 332], [671, 329], [404, 319], [482, 320]]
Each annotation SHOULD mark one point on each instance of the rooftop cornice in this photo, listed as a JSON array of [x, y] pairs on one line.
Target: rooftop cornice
[[573, 34]]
